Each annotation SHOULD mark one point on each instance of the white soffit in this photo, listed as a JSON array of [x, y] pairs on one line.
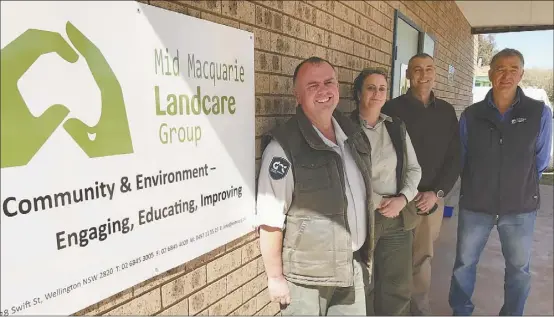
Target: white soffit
[[507, 13]]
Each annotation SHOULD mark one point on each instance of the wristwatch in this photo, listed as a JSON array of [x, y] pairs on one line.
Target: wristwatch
[[440, 193]]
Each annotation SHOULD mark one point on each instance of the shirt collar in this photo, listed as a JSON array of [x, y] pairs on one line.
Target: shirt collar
[[382, 117], [412, 98], [339, 134], [490, 100]]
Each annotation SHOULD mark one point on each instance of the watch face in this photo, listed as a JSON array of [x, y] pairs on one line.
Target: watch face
[[440, 194]]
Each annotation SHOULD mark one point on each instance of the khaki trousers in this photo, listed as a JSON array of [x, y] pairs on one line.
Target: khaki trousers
[[425, 234], [329, 300]]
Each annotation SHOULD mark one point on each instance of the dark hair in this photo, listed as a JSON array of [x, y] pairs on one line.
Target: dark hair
[[420, 55], [311, 60], [506, 53], [359, 81]]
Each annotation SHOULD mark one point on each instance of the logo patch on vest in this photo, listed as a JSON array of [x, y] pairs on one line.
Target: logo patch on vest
[[278, 168], [518, 120]]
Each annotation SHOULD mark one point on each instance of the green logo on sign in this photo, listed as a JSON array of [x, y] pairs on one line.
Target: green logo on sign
[[23, 134]]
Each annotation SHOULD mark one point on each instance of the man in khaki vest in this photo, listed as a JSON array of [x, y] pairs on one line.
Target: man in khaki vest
[[313, 199]]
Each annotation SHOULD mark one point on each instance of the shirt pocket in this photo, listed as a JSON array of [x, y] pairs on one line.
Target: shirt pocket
[[313, 174]]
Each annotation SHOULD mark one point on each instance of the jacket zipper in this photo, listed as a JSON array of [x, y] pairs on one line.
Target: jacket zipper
[[501, 141]]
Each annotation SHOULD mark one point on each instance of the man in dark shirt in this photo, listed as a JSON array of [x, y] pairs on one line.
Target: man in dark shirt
[[433, 127]]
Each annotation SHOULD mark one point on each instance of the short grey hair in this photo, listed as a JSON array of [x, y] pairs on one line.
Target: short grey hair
[[507, 52]]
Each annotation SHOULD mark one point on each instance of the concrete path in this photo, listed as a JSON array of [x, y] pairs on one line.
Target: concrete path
[[489, 289]]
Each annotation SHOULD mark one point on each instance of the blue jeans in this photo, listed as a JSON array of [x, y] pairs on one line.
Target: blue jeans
[[516, 237]]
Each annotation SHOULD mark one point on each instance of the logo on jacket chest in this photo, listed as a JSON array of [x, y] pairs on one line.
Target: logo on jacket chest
[[518, 120]]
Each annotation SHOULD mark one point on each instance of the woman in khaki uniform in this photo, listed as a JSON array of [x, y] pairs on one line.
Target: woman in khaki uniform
[[395, 176]]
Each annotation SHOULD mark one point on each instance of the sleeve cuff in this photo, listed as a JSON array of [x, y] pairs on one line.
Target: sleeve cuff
[[410, 194]]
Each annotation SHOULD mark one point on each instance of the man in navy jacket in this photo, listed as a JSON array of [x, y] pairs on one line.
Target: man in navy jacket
[[506, 142]]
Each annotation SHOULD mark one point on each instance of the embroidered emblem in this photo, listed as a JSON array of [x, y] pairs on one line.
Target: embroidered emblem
[[278, 168], [518, 120]]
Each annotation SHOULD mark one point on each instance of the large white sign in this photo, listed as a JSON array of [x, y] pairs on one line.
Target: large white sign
[[127, 147]]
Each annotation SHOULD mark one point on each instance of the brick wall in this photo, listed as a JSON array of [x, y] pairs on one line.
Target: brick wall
[[350, 34]]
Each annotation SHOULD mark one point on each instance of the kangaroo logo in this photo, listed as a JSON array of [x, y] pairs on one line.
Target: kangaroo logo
[[22, 134]]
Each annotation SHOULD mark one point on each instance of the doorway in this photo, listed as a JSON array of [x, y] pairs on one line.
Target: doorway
[[408, 41]]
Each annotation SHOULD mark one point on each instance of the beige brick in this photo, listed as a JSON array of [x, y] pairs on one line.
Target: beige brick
[[258, 145], [340, 11], [227, 304], [267, 62], [288, 64], [241, 241], [269, 310], [262, 83], [262, 39], [263, 125], [147, 304], [277, 5], [344, 74], [334, 41], [203, 313], [280, 84], [252, 288], [109, 302], [294, 27], [323, 20], [290, 7], [205, 258], [179, 309], [261, 266], [210, 5], [247, 309], [337, 58], [252, 249], [240, 10], [239, 277], [269, 19], [207, 296], [305, 49], [316, 35], [219, 20], [346, 105], [282, 44], [181, 287], [223, 265], [305, 12], [361, 50], [174, 6], [280, 105], [155, 281], [262, 299], [339, 26]]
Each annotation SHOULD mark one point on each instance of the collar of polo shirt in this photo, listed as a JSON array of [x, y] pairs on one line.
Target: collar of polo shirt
[[382, 117]]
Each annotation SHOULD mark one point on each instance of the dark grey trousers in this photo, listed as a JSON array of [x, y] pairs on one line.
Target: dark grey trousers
[[390, 289]]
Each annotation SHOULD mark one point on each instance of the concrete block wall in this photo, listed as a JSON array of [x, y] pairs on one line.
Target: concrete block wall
[[230, 280]]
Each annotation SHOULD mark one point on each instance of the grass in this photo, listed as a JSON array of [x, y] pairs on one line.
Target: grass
[[547, 179]]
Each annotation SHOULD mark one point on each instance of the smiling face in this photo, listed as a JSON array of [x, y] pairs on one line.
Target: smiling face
[[317, 89], [505, 74], [421, 73], [373, 93]]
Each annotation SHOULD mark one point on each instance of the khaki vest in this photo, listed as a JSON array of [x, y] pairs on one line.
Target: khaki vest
[[397, 133], [317, 247]]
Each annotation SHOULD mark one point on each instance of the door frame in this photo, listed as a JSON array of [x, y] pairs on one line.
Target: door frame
[[421, 33]]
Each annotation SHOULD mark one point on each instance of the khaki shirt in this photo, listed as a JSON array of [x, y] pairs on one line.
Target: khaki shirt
[[275, 196], [383, 163]]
